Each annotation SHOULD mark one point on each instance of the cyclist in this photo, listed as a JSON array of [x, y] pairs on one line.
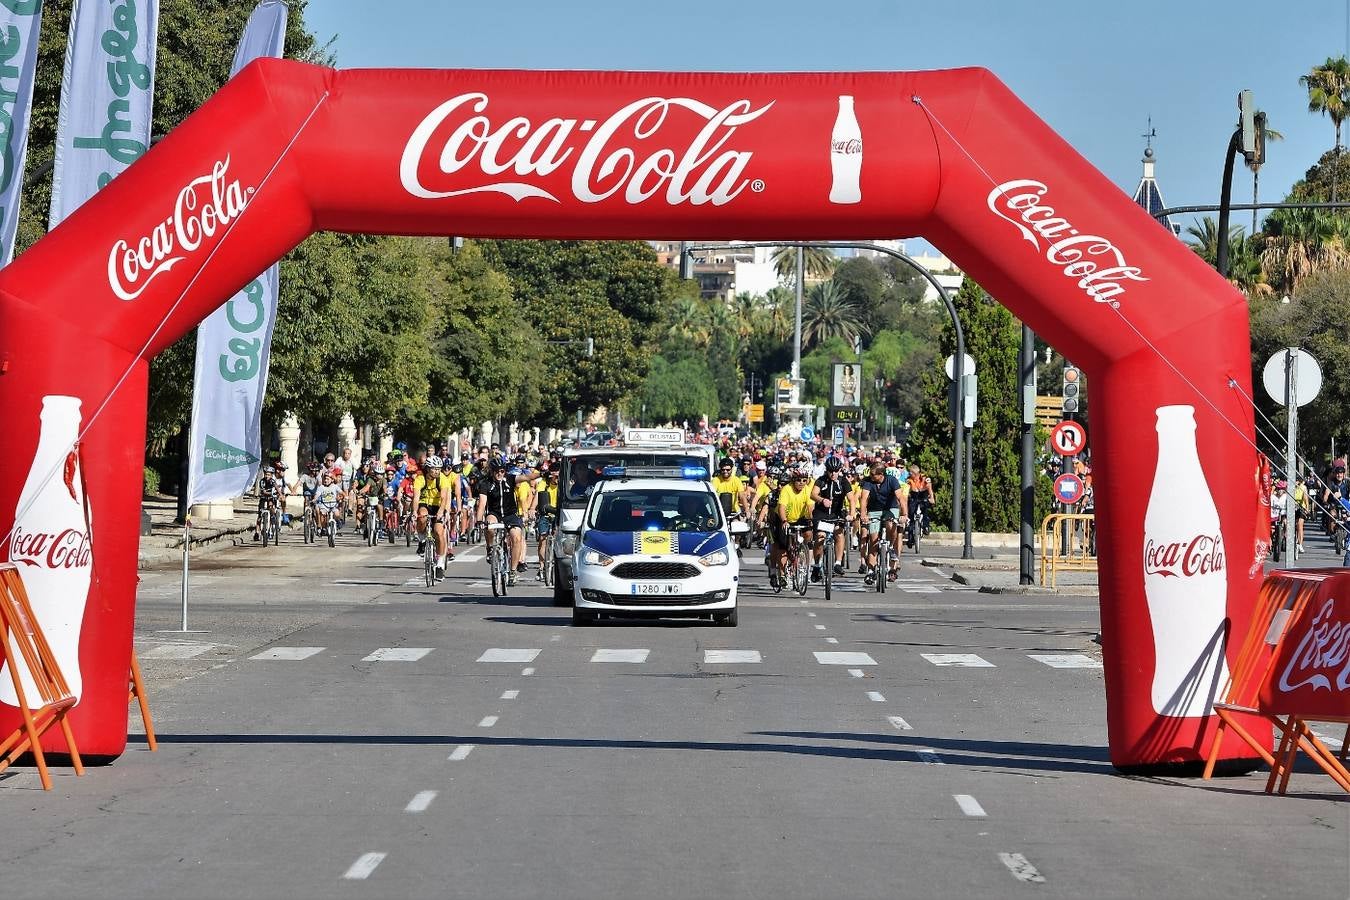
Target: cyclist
[[326, 499], [369, 482], [731, 489], [881, 504], [920, 494], [525, 496], [407, 495], [794, 508], [308, 483], [830, 496], [271, 486], [497, 500], [432, 494], [547, 497]]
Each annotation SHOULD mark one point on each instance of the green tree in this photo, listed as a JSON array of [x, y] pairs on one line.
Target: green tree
[[828, 313], [677, 391], [1328, 87], [819, 262], [993, 338]]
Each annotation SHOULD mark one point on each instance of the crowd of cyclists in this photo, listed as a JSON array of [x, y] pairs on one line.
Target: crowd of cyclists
[[774, 485]]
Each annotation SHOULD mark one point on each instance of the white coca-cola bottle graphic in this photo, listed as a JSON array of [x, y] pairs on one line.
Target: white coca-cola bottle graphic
[[846, 155], [51, 546], [1185, 574]]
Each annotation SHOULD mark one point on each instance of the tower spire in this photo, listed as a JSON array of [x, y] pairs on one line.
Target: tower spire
[[1147, 194]]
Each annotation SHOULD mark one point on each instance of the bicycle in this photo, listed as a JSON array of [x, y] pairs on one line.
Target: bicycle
[[499, 559], [825, 529], [917, 527], [546, 556], [798, 559], [269, 524], [331, 529], [311, 525], [429, 555], [883, 562]]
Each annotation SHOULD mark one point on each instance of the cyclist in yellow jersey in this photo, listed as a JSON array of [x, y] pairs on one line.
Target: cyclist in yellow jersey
[[794, 508], [546, 503], [731, 490], [433, 492]]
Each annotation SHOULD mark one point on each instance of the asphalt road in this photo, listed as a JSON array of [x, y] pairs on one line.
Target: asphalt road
[[338, 730]]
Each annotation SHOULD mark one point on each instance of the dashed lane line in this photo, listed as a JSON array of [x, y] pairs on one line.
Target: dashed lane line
[[969, 805], [365, 864], [528, 670], [968, 660], [876, 697], [830, 640], [620, 656], [461, 752], [732, 656], [857, 673], [487, 722], [510, 695], [830, 658], [1021, 869], [509, 655], [901, 725], [288, 653], [1066, 660], [397, 654], [420, 801]]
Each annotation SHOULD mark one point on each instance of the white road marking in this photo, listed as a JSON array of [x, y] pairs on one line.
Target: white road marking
[[420, 801], [620, 656], [527, 671], [810, 615], [397, 654], [288, 653], [969, 805], [805, 602], [176, 651], [1066, 660], [856, 673], [1021, 869], [958, 659], [412, 581], [820, 628], [487, 722], [364, 865], [921, 590], [556, 637], [829, 658], [510, 695], [461, 752], [901, 725], [732, 656], [875, 697], [504, 655], [928, 756]]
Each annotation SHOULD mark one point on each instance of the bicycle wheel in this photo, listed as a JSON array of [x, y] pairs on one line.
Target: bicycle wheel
[[546, 565], [828, 559], [801, 571], [494, 567], [916, 524], [429, 562], [276, 528], [332, 533], [883, 565]]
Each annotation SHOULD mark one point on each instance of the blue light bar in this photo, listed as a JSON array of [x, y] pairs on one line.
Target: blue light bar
[[614, 471], [694, 472]]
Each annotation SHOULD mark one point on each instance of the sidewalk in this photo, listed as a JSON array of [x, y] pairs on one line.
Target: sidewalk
[[164, 543]]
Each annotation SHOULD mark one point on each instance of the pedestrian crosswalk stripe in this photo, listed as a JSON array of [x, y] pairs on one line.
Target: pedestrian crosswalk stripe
[[835, 658], [1066, 660], [397, 654], [461, 752], [176, 651], [364, 865], [620, 656], [917, 589], [969, 660], [505, 655], [287, 653], [731, 656]]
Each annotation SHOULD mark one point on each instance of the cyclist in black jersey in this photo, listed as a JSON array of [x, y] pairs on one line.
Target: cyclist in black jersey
[[497, 500], [830, 494]]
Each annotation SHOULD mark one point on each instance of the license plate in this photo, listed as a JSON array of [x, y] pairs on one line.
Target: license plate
[[650, 588]]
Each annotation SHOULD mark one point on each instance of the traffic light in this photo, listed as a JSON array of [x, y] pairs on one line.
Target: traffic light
[[783, 392], [1247, 123], [1073, 383], [686, 262]]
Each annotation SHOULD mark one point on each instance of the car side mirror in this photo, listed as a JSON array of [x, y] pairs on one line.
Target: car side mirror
[[571, 531], [740, 527]]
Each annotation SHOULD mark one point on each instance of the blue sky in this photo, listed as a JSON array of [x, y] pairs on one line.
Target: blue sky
[[1095, 71]]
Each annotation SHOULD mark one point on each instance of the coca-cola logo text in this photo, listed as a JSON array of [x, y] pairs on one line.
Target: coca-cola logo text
[[204, 206], [1102, 278], [604, 155], [1201, 555], [848, 147], [67, 550], [1321, 651]]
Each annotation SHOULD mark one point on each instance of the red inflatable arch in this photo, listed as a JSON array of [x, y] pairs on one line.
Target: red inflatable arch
[[286, 149]]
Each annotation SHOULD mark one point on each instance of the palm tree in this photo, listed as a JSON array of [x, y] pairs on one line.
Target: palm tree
[[781, 312], [1328, 88], [1301, 242], [1270, 135], [827, 312], [746, 307], [689, 320], [1245, 269], [819, 262], [1206, 243]]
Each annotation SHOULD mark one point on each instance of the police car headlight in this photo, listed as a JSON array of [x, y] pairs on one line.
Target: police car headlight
[[591, 557], [716, 558]]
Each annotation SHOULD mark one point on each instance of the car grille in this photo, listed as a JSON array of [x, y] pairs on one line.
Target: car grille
[[631, 600], [655, 570]]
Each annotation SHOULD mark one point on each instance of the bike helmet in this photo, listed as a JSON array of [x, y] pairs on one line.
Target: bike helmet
[[1282, 483], [833, 464], [496, 465], [434, 462], [312, 465]]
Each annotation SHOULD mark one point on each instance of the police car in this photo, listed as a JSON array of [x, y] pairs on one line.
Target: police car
[[655, 547]]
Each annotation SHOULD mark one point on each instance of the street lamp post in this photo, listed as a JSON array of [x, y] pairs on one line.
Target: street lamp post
[[958, 364]]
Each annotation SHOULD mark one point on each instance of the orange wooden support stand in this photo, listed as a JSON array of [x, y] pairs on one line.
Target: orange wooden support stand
[[19, 628], [136, 691]]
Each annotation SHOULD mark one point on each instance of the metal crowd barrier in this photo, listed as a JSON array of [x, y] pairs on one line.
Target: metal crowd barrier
[[1067, 545]]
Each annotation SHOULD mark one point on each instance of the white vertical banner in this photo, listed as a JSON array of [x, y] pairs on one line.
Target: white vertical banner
[[107, 92], [235, 342], [19, 23]]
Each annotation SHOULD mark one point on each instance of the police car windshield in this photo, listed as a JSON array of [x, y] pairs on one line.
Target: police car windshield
[[580, 474], [654, 509]]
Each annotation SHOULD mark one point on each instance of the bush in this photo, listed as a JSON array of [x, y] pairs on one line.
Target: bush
[[151, 481]]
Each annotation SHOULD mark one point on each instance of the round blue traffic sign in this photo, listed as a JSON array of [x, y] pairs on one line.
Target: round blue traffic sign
[[1068, 488], [808, 432]]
